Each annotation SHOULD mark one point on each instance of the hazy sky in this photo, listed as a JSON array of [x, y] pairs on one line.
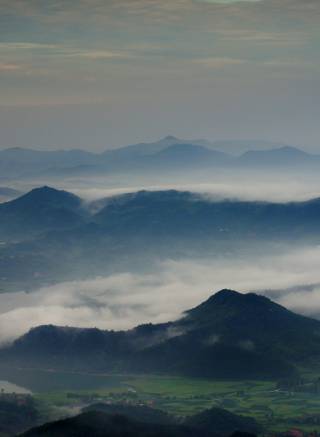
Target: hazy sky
[[104, 73]]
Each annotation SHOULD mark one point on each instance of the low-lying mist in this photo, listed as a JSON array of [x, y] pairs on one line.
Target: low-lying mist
[[121, 301], [263, 184]]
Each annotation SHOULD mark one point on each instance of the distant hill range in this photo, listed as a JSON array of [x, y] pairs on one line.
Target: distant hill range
[[167, 153], [47, 235], [167, 213], [231, 335]]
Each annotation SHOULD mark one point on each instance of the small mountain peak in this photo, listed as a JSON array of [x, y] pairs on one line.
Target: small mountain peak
[[288, 149], [227, 292], [170, 138], [45, 188], [45, 191], [46, 195], [224, 295], [17, 149], [231, 296], [232, 301]]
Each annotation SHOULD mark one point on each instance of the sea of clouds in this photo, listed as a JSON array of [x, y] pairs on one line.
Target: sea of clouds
[[123, 300]]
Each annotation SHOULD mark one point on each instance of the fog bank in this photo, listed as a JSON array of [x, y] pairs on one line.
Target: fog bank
[[124, 300]]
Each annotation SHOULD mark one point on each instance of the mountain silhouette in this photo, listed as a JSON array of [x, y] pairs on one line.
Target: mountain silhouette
[[229, 335]]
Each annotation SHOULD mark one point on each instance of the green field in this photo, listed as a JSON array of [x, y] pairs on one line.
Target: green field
[[274, 409]]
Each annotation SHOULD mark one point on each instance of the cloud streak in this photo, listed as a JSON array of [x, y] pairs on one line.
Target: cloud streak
[[7, 67], [242, 186], [218, 63]]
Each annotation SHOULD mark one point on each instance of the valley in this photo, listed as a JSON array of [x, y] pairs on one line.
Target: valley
[[159, 218], [274, 409]]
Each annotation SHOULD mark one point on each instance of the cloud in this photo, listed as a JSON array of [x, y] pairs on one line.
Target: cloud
[[227, 2], [7, 67], [303, 301], [218, 63], [124, 300], [229, 185], [64, 50], [275, 37], [94, 55], [25, 46]]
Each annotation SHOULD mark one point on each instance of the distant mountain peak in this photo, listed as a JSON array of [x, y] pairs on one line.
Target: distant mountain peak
[[170, 138], [46, 195], [14, 149], [291, 149], [282, 150], [45, 190]]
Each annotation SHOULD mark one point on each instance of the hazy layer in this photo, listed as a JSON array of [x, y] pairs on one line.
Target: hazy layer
[[264, 185]]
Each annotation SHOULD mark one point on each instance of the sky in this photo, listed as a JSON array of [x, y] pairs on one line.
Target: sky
[[99, 74]]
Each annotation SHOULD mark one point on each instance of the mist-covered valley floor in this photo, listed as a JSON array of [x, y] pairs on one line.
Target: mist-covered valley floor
[[127, 299], [157, 285]]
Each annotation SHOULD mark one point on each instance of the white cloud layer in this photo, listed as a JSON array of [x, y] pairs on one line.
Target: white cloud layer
[[243, 187], [124, 300]]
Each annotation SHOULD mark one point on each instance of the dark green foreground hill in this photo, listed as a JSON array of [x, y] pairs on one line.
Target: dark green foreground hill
[[99, 424], [217, 420], [231, 335]]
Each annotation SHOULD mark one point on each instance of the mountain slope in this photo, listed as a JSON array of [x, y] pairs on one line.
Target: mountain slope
[[133, 231], [184, 213], [140, 413], [223, 422], [106, 423], [97, 424], [147, 149], [39, 210], [7, 194], [190, 155], [219, 420], [19, 161], [230, 335], [171, 213], [282, 156]]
